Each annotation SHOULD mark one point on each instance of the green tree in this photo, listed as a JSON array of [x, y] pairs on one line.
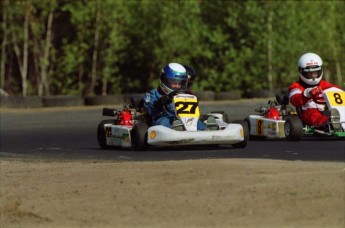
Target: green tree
[[111, 47], [75, 61]]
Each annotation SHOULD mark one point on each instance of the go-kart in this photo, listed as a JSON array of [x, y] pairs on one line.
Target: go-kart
[[132, 128], [279, 120]]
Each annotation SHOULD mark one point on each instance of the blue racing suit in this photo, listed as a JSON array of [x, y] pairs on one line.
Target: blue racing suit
[[163, 115]]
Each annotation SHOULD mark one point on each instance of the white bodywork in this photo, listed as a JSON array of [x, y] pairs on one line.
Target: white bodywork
[[187, 110], [118, 135], [261, 126], [335, 98], [163, 136]]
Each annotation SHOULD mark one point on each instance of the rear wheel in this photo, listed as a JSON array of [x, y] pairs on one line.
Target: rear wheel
[[293, 128], [101, 134], [244, 143], [139, 136]]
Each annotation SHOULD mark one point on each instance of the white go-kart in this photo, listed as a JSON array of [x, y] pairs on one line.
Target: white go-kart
[[138, 134], [279, 120]]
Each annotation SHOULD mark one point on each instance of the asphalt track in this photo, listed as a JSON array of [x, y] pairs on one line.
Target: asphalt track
[[70, 134]]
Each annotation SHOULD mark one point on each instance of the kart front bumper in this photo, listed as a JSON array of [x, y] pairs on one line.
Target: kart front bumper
[[163, 136]]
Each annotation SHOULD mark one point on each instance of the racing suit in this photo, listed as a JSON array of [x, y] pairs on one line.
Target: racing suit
[[163, 115], [311, 111]]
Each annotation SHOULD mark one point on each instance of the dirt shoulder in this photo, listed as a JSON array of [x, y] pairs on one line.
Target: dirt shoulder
[[195, 193]]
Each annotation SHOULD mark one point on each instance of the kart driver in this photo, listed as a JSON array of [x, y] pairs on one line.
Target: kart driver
[[306, 93], [159, 105]]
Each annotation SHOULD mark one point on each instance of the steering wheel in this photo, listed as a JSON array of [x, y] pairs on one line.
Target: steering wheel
[[179, 91], [320, 100]]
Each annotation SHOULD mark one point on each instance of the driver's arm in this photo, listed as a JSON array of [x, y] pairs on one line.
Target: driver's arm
[[161, 101], [149, 103], [296, 96]]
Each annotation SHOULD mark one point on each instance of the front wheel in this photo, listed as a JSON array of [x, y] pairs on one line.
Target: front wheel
[[244, 143], [293, 128], [225, 115]]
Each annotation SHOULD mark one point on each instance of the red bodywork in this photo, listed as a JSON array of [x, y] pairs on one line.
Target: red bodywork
[[125, 118], [272, 113]]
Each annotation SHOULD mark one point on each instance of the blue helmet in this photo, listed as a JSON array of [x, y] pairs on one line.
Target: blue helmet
[[173, 77]]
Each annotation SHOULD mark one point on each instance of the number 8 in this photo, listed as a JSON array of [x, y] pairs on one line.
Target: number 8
[[337, 98]]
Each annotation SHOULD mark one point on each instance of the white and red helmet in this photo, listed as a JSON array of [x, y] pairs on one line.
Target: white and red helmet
[[310, 62]]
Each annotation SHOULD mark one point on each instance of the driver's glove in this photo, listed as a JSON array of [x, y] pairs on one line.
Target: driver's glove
[[314, 92], [163, 100]]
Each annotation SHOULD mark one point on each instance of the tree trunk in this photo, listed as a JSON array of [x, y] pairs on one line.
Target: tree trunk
[[3, 45], [17, 53], [36, 59], [22, 59], [95, 51], [104, 87], [45, 60], [337, 67], [25, 51], [80, 79], [269, 51], [339, 76]]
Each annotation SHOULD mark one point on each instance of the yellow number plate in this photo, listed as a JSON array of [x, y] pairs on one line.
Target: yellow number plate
[[336, 98], [186, 107]]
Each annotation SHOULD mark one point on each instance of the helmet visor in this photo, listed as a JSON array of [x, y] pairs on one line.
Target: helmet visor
[[175, 83], [312, 72]]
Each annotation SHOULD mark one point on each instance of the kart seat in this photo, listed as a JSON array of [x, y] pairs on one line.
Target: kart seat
[[282, 99], [137, 102]]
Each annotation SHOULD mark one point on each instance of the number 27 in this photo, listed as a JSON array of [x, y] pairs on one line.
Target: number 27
[[185, 106]]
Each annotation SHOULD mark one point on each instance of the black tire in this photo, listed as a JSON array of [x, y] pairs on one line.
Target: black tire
[[102, 141], [248, 123], [253, 137], [139, 136], [244, 143], [293, 128]]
